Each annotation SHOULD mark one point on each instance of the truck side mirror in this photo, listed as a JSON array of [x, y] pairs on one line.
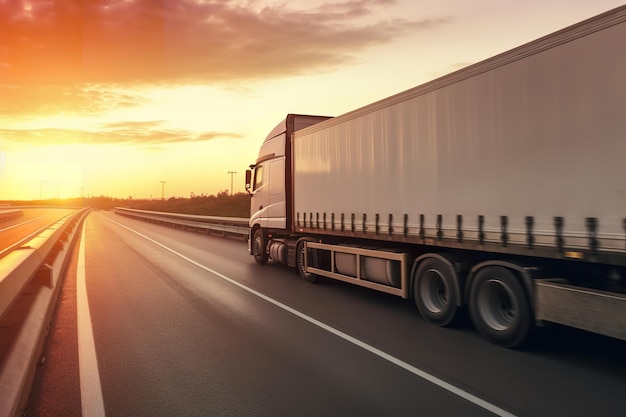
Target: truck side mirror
[[248, 180]]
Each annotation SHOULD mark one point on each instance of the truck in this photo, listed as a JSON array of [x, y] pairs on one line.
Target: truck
[[498, 190]]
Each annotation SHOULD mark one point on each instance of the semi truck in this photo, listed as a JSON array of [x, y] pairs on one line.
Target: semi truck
[[498, 190]]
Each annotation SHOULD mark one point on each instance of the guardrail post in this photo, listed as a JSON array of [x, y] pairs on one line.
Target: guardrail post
[[44, 276]]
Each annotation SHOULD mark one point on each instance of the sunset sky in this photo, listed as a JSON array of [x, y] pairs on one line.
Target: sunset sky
[[111, 97]]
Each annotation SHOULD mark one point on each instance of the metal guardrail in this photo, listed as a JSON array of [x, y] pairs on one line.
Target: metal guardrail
[[21, 243], [225, 226], [28, 292], [38, 262], [26, 258]]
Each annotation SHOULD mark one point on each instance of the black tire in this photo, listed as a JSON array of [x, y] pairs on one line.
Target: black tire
[[499, 307], [307, 276], [434, 292], [258, 247]]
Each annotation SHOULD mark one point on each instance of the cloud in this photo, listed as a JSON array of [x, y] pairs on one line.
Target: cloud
[[132, 133], [277, 41], [182, 41], [73, 58], [148, 132], [132, 125], [35, 99]]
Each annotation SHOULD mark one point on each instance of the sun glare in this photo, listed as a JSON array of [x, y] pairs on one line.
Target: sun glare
[[27, 8], [43, 172]]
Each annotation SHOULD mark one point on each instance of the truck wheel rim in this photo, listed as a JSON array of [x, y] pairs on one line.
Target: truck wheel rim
[[497, 305], [434, 291], [256, 249]]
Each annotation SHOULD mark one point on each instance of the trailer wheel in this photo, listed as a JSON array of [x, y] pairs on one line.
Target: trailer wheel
[[307, 276], [434, 292], [259, 248], [499, 307]]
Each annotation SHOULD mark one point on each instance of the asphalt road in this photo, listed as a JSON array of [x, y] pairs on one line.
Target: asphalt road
[[186, 324], [33, 219]]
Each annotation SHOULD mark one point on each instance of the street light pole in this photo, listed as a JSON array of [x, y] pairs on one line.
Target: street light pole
[[163, 190], [231, 180]]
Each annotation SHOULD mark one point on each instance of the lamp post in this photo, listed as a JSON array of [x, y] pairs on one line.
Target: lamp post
[[231, 180], [163, 190]]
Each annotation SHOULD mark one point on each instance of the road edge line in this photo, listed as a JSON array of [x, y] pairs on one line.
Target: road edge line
[[91, 400]]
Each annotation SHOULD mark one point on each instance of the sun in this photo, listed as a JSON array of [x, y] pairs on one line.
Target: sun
[[28, 8]]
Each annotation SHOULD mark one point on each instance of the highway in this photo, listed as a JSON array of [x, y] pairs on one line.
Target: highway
[[155, 321], [33, 220]]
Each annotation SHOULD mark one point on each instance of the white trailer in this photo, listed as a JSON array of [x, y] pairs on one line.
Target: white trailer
[[499, 187]]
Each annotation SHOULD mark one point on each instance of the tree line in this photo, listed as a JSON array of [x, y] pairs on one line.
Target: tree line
[[223, 204]]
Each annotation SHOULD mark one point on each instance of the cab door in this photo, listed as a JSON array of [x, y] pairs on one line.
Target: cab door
[[260, 197]]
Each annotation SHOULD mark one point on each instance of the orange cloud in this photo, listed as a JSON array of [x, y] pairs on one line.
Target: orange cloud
[[135, 133], [36, 99], [83, 57], [184, 40]]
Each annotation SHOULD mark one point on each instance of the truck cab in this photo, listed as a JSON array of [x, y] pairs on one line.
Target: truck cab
[[269, 182], [265, 181]]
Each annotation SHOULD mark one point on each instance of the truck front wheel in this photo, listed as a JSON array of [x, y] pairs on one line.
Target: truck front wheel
[[259, 250], [434, 292], [301, 265], [499, 307]]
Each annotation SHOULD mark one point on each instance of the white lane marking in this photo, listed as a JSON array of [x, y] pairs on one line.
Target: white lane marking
[[90, 389], [414, 370], [20, 224]]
